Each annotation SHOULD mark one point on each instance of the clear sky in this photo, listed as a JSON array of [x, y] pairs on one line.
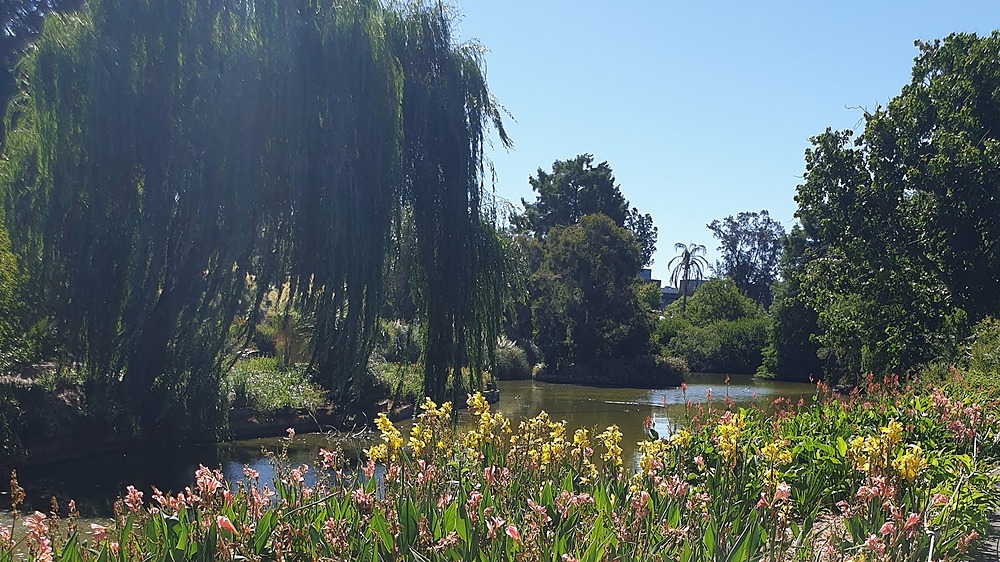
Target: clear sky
[[702, 109]]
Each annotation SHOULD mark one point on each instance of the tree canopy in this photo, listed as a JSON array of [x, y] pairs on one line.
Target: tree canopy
[[576, 188], [751, 251], [587, 313], [168, 163], [903, 215]]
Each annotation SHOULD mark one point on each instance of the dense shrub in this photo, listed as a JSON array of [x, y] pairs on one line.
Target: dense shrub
[[984, 348], [728, 346], [511, 361]]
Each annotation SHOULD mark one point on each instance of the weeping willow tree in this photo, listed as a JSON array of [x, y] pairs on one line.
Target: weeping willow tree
[[169, 162], [132, 195], [461, 266]]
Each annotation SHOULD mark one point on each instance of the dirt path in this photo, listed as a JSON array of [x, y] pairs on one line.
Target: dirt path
[[989, 549]]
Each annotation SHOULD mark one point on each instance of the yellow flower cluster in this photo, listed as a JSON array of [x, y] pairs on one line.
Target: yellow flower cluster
[[432, 428], [727, 435], [582, 451], [611, 438], [392, 440], [776, 453], [542, 440], [871, 454], [649, 453], [910, 464], [868, 454], [681, 438], [893, 432], [492, 429], [390, 435]]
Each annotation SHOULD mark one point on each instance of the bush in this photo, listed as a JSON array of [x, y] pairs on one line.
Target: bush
[[666, 329], [399, 382], [673, 366], [984, 349], [728, 346], [283, 333], [511, 362]]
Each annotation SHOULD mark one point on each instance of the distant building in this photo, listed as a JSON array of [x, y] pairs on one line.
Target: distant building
[[669, 294]]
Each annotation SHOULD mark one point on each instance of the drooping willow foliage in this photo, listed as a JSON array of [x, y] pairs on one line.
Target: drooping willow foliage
[[168, 162], [461, 266]]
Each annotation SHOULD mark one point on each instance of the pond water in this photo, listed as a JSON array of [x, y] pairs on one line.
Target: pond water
[[95, 482]]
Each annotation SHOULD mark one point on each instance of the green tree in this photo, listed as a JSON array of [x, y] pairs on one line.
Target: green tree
[[587, 314], [904, 214], [20, 23], [576, 188], [152, 212], [690, 261], [791, 353], [723, 331], [751, 251], [720, 299]]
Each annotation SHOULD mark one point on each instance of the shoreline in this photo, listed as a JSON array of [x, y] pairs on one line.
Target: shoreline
[[243, 424]]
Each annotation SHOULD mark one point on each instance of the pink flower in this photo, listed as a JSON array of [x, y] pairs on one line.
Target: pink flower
[[98, 531], [887, 529], [291, 432], [513, 533], [251, 474], [444, 501], [939, 499], [875, 544], [964, 542], [329, 458], [133, 499], [783, 492], [912, 525], [114, 548], [225, 524]]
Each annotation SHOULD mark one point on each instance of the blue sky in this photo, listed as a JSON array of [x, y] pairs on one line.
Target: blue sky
[[702, 109]]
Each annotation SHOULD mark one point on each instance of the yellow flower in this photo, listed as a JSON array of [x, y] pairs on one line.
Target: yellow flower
[[390, 435], [378, 452], [911, 463], [418, 439], [478, 405], [681, 438], [893, 432], [776, 452], [867, 453], [612, 438], [727, 436], [651, 454]]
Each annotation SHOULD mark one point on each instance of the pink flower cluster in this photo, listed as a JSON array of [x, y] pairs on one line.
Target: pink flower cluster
[[38, 536]]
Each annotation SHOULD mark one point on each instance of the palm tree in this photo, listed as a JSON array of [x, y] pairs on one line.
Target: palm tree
[[690, 259]]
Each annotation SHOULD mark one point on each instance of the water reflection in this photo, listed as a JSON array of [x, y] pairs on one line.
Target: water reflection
[[597, 408]]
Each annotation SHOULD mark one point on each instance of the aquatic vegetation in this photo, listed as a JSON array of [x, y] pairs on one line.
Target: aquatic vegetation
[[893, 475]]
